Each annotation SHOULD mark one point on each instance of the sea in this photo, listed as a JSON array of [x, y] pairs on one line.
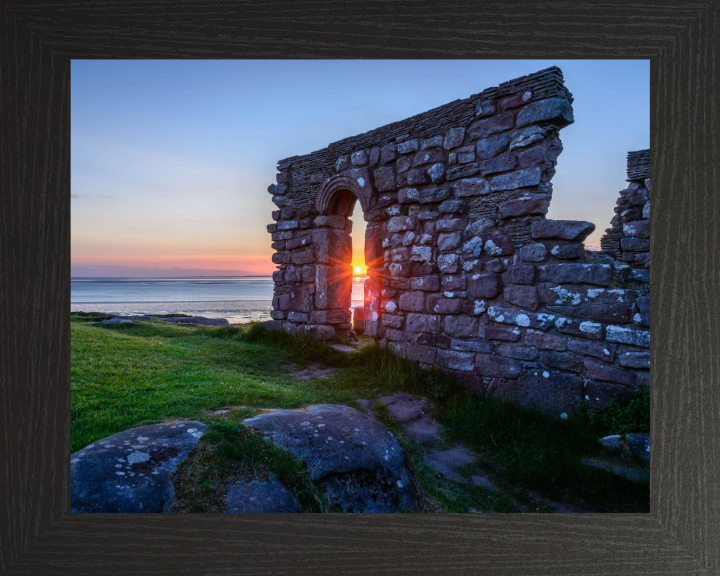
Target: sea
[[238, 299]]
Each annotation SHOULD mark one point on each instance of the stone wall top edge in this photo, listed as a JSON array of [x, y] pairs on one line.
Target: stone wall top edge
[[546, 83]]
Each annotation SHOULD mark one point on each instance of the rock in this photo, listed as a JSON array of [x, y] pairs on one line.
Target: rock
[[407, 146], [636, 475], [483, 482], [607, 373], [599, 274], [550, 392], [522, 296], [118, 320], [494, 165], [260, 497], [437, 173], [518, 179], [628, 336], [485, 285], [545, 341], [357, 462], [359, 158], [446, 462], [463, 361], [130, 471], [463, 171], [521, 275], [613, 443], [454, 138], [557, 110], [497, 366], [533, 253], [409, 411], [489, 147], [639, 445], [527, 137], [385, 179], [576, 230], [635, 360], [484, 128], [601, 350], [388, 153], [523, 207]]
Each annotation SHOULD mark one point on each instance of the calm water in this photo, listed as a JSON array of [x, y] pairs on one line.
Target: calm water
[[235, 299]]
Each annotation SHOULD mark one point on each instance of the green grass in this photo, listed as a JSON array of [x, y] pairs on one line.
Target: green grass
[[127, 375]]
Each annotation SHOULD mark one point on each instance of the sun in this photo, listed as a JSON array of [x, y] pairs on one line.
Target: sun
[[358, 269]]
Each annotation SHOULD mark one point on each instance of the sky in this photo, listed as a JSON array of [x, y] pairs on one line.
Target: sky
[[171, 159]]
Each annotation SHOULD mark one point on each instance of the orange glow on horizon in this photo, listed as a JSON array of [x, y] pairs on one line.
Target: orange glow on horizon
[[359, 269]]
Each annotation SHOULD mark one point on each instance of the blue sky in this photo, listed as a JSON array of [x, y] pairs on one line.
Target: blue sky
[[171, 159]]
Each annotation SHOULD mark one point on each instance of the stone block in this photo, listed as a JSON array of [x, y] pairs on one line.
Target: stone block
[[471, 187], [550, 392], [499, 245], [452, 207], [490, 147], [331, 316], [300, 257], [579, 327], [436, 173], [485, 285], [521, 275], [298, 317], [523, 296], [523, 207], [545, 341], [497, 366], [598, 394], [333, 287], [536, 320], [466, 154], [518, 352], [501, 332], [568, 251], [413, 177], [447, 306], [388, 153], [407, 146], [463, 361], [598, 274], [393, 321], [471, 346], [628, 336], [429, 157], [639, 229], [608, 373], [385, 179], [422, 323], [463, 171], [419, 353], [450, 225], [430, 195], [332, 221], [454, 138], [472, 248], [401, 224], [332, 246], [562, 361], [641, 311], [489, 126], [562, 229], [635, 244], [426, 283], [412, 301], [400, 336], [499, 164], [556, 110], [635, 360], [448, 241], [522, 178], [532, 157], [287, 225], [454, 282], [527, 137], [485, 108], [280, 258], [601, 350], [461, 326], [533, 253]]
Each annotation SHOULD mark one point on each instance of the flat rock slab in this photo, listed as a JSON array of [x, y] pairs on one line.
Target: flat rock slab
[[130, 471], [409, 411], [483, 481], [446, 461], [344, 348], [118, 320], [260, 497], [356, 461], [639, 445], [199, 320], [634, 474]]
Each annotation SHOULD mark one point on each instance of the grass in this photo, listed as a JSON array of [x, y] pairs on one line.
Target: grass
[[127, 375]]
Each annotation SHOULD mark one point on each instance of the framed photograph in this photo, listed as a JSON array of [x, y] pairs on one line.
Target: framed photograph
[[452, 192]]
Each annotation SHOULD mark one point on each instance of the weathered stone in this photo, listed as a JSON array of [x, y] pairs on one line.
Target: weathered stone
[[450, 224], [452, 207], [635, 244], [568, 251], [130, 471], [533, 253], [454, 282], [359, 158], [428, 157], [485, 286], [392, 321], [635, 360], [598, 394], [628, 336], [358, 463], [528, 137], [639, 229], [607, 373], [385, 179], [388, 153], [463, 171], [499, 123], [471, 346], [330, 221], [412, 301], [517, 352], [641, 311], [260, 497], [523, 178], [445, 462], [523, 207], [471, 187], [499, 164], [499, 245], [601, 350], [497, 366], [448, 263], [421, 254], [485, 108], [298, 317], [466, 154], [448, 241], [523, 296], [500, 332], [333, 287], [550, 392], [562, 229], [401, 224], [472, 248], [461, 326], [407, 146], [330, 316], [557, 110], [454, 138], [639, 445], [447, 306], [436, 172], [428, 195], [422, 323], [403, 164], [599, 274], [463, 361], [579, 327], [332, 246], [562, 361], [545, 341], [521, 275], [490, 147], [539, 320], [532, 157], [632, 473]]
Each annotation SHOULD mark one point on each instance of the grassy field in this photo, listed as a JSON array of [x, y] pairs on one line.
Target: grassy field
[[127, 375]]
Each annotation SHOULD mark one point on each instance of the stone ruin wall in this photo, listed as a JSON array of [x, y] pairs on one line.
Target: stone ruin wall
[[628, 238], [465, 272]]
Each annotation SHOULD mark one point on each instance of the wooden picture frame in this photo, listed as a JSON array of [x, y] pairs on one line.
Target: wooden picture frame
[[38, 535]]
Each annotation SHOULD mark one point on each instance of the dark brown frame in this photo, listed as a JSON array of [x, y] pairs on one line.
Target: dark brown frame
[[38, 535]]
